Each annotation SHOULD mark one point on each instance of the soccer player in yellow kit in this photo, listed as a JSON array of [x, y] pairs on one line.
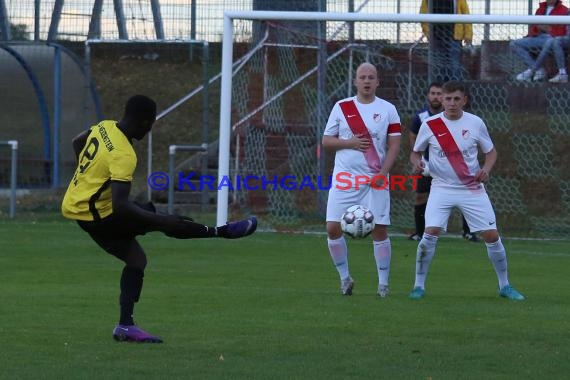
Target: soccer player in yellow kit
[[98, 199]]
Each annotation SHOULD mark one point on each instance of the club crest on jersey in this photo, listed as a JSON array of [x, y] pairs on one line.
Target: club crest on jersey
[[376, 117], [465, 133]]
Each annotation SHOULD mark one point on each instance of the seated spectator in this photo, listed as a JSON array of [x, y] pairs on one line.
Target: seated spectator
[[539, 40], [559, 46]]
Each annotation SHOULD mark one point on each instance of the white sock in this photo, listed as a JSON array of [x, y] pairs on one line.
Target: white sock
[[382, 255], [498, 257], [339, 256], [562, 71], [424, 255]]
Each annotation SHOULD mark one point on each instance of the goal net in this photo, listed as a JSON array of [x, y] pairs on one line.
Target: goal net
[[275, 103]]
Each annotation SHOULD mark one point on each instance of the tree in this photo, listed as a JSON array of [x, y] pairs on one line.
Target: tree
[[19, 32]]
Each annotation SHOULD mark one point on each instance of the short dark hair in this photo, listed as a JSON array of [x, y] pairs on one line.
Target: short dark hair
[[434, 84], [453, 86], [140, 107]]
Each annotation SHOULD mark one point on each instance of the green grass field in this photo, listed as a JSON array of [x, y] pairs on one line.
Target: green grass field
[[268, 307]]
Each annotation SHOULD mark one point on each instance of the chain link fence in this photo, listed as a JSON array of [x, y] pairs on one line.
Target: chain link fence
[[196, 19], [528, 121], [275, 96]]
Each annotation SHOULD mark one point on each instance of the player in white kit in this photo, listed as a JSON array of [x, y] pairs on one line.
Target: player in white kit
[[364, 132], [453, 139]]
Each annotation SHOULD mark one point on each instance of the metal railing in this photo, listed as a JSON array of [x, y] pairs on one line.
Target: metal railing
[[172, 149], [410, 70], [13, 173]]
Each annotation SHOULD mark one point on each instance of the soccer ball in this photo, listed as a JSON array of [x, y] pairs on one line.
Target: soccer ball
[[357, 222]]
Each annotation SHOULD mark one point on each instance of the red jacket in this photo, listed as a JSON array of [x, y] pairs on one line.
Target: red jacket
[[555, 30]]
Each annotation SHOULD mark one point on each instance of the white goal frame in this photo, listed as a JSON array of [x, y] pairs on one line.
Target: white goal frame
[[225, 129]]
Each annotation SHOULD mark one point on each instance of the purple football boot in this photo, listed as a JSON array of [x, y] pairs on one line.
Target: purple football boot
[[239, 229], [133, 333]]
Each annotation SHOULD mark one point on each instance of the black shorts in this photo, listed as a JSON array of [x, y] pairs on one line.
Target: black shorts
[[115, 234], [423, 185]]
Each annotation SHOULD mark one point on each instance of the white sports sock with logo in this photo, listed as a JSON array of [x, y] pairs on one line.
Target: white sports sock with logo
[[498, 257], [382, 255], [424, 255], [339, 255]]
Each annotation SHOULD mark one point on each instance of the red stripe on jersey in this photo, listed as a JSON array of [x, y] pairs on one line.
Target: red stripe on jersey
[[394, 128], [452, 152], [358, 128]]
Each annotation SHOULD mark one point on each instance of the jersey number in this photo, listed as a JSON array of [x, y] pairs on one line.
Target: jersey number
[[88, 155]]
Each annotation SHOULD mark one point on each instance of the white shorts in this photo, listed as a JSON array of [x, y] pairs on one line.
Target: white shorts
[[476, 208], [377, 201]]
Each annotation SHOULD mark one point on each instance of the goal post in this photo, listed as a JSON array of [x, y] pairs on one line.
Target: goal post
[[493, 108]]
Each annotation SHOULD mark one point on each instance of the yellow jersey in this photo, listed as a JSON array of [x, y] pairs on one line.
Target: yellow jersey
[[107, 156], [460, 31]]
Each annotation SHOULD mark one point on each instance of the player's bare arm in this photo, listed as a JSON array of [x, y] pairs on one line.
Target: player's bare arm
[[79, 142], [333, 143], [416, 161], [393, 143], [490, 160]]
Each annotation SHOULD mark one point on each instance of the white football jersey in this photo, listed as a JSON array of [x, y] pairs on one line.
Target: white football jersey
[[381, 119], [454, 171]]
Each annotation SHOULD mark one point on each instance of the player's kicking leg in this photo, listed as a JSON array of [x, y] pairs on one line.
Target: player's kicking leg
[[188, 229], [239, 229]]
